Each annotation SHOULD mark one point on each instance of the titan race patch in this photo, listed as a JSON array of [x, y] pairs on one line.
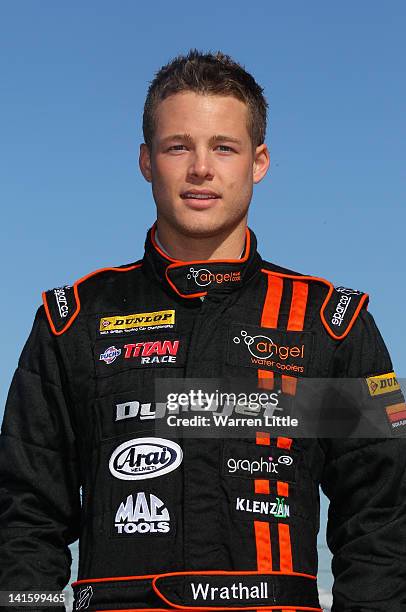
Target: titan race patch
[[284, 352], [248, 460], [141, 321], [384, 383], [163, 350]]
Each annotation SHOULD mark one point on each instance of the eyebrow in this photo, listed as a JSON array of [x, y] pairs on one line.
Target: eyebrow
[[224, 138], [184, 137], [212, 140]]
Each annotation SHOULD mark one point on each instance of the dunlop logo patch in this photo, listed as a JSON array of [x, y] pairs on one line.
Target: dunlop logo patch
[[385, 383], [161, 319]]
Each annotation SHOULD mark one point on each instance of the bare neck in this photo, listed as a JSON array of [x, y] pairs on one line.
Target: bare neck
[[186, 248]]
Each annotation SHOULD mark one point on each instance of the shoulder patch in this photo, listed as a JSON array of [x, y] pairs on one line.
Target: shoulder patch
[[62, 304], [340, 310], [61, 307]]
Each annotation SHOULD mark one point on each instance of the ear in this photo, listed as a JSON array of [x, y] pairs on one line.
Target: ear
[[262, 162], [145, 162]]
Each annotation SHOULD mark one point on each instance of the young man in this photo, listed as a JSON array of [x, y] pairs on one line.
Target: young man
[[187, 524]]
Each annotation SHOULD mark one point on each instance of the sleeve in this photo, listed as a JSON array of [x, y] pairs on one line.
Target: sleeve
[[39, 479], [365, 480]]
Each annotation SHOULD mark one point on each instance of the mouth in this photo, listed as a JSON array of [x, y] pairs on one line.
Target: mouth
[[199, 197], [199, 194]]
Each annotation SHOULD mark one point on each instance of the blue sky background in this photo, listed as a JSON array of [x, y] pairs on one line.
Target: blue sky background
[[73, 82]]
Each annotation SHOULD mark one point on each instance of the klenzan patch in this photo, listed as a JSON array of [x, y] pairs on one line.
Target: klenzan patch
[[266, 508], [284, 352], [247, 460], [160, 319], [384, 383]]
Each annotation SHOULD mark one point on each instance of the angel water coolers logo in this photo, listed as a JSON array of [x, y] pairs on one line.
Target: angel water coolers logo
[[264, 351], [204, 277]]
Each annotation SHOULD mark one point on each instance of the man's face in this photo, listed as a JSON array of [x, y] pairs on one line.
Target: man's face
[[202, 164]]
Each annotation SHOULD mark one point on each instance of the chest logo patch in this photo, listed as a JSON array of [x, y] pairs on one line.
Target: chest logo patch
[[142, 513], [145, 321], [384, 383], [203, 277], [284, 352], [144, 458], [397, 418], [247, 460], [110, 355]]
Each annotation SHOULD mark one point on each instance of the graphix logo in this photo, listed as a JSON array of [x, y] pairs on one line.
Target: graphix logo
[[245, 460], [267, 465]]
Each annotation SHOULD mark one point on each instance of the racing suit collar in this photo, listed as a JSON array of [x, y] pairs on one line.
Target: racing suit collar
[[194, 279]]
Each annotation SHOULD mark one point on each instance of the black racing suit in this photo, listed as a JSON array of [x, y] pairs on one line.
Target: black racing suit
[[186, 523]]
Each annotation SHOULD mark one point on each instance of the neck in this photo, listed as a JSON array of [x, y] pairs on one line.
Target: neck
[[226, 245]]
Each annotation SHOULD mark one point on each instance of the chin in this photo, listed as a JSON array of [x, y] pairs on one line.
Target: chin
[[203, 224], [205, 228]]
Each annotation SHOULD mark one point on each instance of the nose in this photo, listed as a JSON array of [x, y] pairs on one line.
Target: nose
[[200, 165]]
